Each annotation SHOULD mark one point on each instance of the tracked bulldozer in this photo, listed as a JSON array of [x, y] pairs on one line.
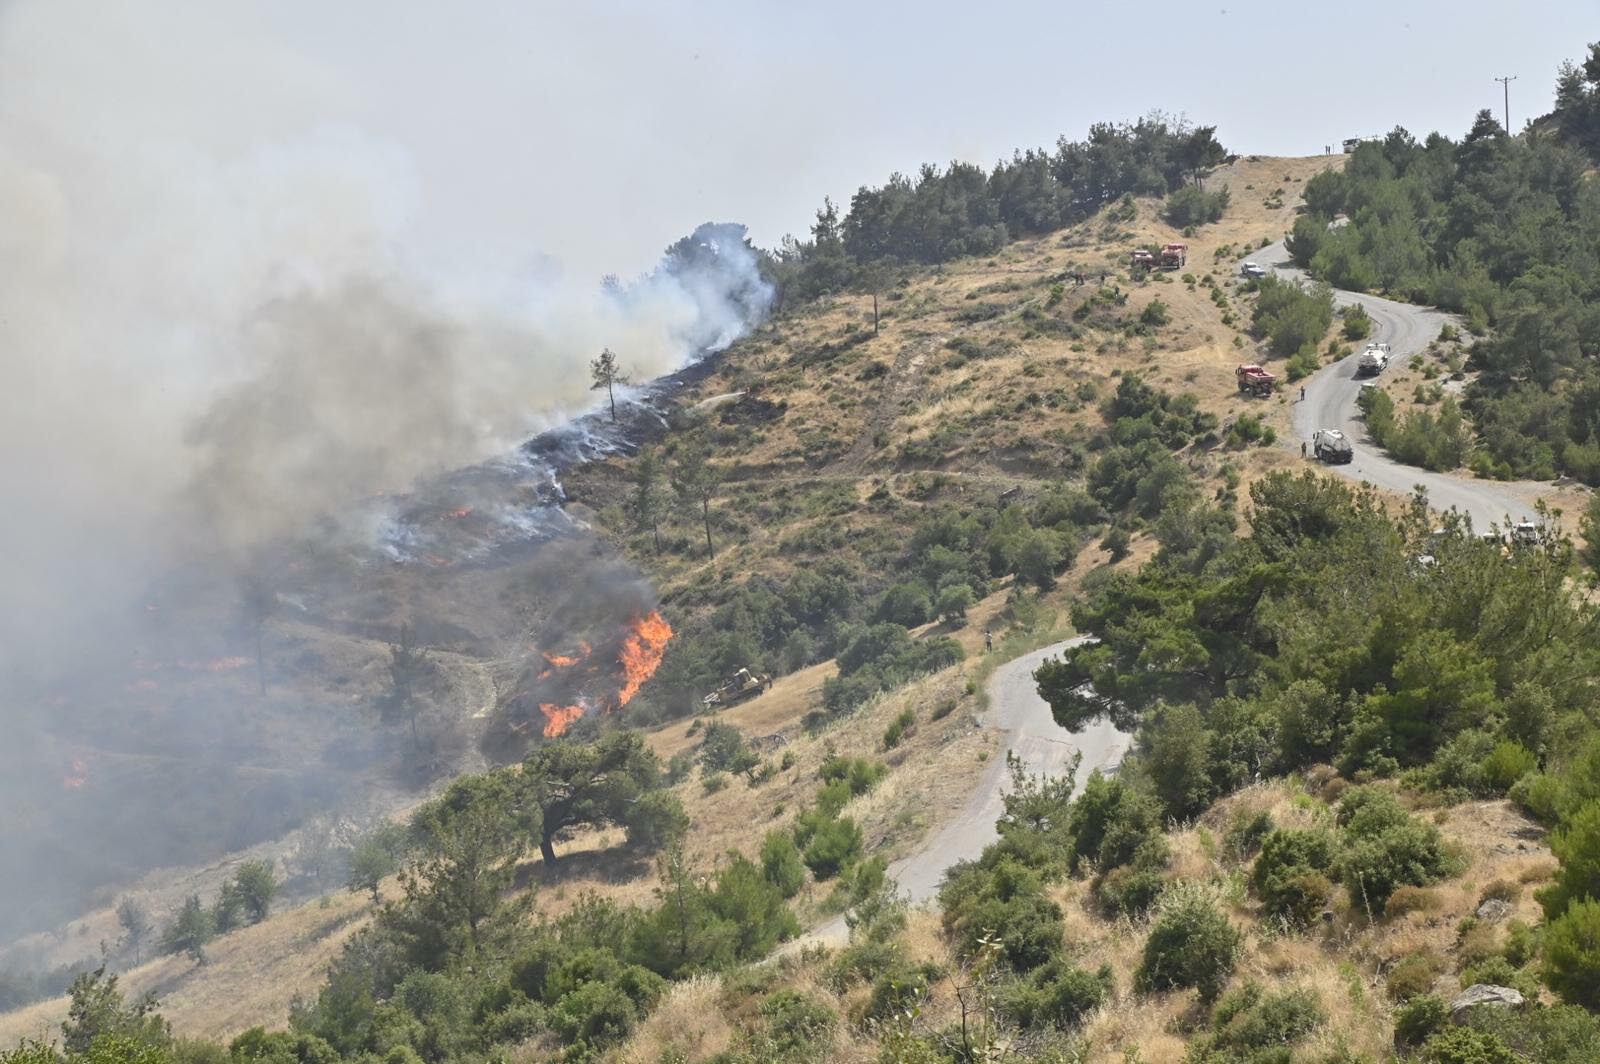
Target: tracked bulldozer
[[741, 685]]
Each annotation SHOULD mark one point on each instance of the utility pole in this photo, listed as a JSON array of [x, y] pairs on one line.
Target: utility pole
[[1505, 83]]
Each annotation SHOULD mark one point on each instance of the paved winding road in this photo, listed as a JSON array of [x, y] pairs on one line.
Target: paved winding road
[[1015, 705], [1032, 734], [1330, 402]]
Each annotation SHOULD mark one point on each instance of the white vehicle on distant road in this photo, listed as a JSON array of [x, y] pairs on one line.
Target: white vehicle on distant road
[[1331, 446], [1374, 360], [1251, 269]]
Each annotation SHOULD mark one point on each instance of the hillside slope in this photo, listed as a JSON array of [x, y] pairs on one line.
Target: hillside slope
[[979, 380]]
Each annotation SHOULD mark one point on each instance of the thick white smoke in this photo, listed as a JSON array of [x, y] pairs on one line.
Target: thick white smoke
[[213, 320]]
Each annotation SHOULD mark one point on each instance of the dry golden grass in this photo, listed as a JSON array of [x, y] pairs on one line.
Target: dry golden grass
[[249, 977], [843, 425], [857, 426], [690, 1021]]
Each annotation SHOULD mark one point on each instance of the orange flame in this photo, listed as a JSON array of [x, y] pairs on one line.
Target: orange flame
[[641, 653], [458, 514], [78, 776], [558, 718]]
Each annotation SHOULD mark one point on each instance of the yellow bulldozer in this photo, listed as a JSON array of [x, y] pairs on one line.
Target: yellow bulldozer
[[741, 685]]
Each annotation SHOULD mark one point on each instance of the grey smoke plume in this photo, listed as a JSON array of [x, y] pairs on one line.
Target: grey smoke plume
[[218, 325], [213, 323], [370, 383]]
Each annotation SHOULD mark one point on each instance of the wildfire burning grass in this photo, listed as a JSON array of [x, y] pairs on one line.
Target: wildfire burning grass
[[639, 656]]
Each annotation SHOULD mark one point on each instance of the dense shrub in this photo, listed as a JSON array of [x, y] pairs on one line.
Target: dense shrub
[[1357, 323], [1191, 944], [906, 605], [722, 749], [1193, 205], [881, 657], [1057, 994], [1577, 845], [1110, 821], [1291, 317], [781, 864], [1407, 900], [1438, 441], [1413, 975], [898, 728], [832, 844], [1290, 874], [1250, 1020], [1572, 954], [1006, 899], [1463, 1045], [1419, 1018], [1131, 889], [954, 601], [797, 1026], [1386, 848], [858, 774], [1247, 832]]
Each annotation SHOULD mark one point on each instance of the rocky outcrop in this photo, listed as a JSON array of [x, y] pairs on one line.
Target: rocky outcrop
[[1483, 995]]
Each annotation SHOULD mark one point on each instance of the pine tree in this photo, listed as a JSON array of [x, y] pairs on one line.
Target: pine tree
[[696, 481], [190, 931], [646, 501], [136, 925], [607, 374]]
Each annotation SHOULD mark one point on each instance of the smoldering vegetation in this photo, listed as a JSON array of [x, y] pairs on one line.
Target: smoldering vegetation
[[253, 440]]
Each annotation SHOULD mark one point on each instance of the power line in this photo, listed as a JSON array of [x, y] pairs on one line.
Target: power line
[[1505, 83]]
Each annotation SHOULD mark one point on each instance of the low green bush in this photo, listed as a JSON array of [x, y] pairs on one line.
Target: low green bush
[[1191, 944]]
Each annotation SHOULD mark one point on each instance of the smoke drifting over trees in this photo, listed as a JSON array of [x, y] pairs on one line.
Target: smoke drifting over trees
[[213, 319], [218, 327]]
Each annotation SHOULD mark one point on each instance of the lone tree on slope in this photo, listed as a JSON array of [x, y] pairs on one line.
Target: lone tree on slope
[[408, 668], [646, 503], [136, 926], [615, 781], [607, 374], [696, 481]]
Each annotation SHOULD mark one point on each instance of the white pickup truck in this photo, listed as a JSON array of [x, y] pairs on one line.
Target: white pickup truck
[[1374, 360]]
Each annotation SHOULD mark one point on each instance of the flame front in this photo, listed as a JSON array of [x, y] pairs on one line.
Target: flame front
[[641, 653], [643, 643], [557, 719]]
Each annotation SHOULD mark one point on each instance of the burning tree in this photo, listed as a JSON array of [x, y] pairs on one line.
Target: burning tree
[[571, 685], [607, 373]]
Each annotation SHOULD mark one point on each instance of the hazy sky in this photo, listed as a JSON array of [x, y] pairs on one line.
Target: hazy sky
[[595, 133]]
